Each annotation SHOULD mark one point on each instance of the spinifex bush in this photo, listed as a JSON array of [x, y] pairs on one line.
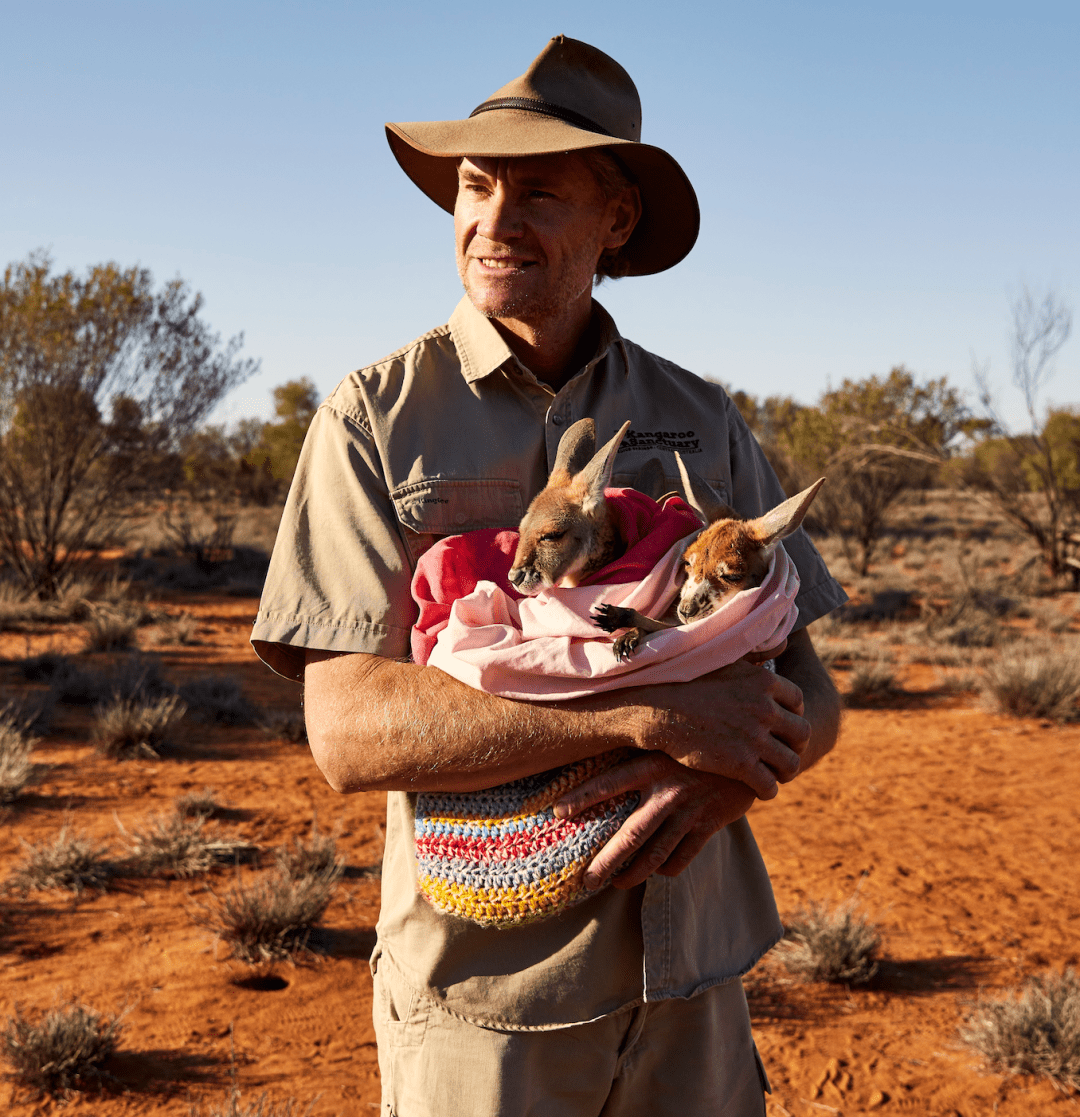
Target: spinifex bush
[[1032, 1030], [109, 628], [317, 856], [63, 1049], [217, 700], [131, 727], [284, 725], [176, 844], [270, 919], [871, 683], [71, 863], [197, 804], [181, 629], [16, 745], [823, 944], [1036, 686], [262, 1106]]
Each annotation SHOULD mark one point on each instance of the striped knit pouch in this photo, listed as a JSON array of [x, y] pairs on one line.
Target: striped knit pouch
[[501, 857]]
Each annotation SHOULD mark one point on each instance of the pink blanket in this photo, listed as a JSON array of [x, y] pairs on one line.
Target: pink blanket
[[476, 627]]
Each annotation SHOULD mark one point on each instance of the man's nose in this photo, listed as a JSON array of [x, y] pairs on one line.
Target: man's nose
[[501, 217]]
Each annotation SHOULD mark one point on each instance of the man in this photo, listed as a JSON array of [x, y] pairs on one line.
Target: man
[[629, 1003]]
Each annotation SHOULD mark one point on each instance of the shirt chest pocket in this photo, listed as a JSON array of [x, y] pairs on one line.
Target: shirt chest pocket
[[428, 510]]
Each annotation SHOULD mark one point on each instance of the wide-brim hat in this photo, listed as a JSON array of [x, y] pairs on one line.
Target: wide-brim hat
[[572, 98]]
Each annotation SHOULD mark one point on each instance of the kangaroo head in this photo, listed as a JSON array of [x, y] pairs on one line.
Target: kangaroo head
[[733, 554], [566, 534]]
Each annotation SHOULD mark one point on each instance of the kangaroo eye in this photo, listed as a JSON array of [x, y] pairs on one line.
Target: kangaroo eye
[[731, 579], [552, 536]]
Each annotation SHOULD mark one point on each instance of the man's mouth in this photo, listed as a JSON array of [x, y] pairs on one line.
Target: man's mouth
[[504, 263]]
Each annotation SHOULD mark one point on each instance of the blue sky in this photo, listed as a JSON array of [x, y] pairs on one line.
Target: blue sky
[[877, 181]]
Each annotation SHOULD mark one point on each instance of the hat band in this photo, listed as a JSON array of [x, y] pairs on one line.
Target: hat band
[[545, 108]]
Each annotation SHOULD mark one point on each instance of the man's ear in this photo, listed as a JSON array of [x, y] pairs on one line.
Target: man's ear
[[624, 218]]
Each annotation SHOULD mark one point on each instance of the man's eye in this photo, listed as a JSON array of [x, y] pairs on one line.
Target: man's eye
[[552, 536]]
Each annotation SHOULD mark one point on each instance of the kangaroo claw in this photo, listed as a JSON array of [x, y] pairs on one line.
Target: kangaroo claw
[[610, 617]]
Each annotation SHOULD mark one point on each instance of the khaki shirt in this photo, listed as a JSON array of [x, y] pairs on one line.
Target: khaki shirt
[[452, 434]]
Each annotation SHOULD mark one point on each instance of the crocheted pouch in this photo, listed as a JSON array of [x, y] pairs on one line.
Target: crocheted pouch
[[501, 857]]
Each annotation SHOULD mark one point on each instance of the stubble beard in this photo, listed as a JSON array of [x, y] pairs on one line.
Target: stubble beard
[[535, 308]]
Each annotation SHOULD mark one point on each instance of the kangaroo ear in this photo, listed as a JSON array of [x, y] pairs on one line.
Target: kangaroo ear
[[576, 447], [650, 479], [596, 475], [784, 518], [702, 497]]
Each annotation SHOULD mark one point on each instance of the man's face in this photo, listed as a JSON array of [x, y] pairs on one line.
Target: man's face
[[529, 232]]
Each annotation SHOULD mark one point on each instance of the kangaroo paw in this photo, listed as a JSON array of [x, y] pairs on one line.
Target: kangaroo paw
[[626, 644], [612, 617]]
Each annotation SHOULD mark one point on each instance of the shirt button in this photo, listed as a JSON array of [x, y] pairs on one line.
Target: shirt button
[[460, 518], [557, 420]]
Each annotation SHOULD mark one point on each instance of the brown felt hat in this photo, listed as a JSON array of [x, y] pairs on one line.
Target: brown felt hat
[[571, 98]]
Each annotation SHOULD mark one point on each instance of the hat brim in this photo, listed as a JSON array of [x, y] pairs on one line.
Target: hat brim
[[427, 152]]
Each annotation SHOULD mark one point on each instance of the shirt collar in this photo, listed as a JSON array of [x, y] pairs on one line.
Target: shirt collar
[[482, 350]]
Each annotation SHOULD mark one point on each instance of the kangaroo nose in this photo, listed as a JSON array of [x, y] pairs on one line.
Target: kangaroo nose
[[517, 575]]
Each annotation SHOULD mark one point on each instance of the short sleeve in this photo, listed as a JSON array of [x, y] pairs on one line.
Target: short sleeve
[[755, 489], [339, 574]]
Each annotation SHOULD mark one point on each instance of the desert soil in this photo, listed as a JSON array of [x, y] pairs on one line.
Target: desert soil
[[957, 828]]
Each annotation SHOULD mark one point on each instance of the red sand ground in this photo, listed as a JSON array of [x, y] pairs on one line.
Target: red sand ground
[[958, 828]]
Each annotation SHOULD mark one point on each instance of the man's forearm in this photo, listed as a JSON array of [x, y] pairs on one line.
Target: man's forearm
[[821, 701], [377, 724]]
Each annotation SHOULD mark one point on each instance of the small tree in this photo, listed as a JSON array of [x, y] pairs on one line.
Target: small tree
[[295, 404], [874, 439], [100, 378], [1034, 477]]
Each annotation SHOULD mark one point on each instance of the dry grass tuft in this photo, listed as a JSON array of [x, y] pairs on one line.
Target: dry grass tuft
[[181, 629], [317, 856], [1034, 685], [285, 725], [63, 1050], [262, 1106], [16, 745], [831, 944], [110, 628], [67, 862], [175, 844], [271, 919], [217, 700], [197, 804], [872, 683], [128, 727], [1032, 1030]]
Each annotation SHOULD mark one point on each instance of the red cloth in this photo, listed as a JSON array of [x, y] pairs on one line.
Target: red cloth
[[452, 567]]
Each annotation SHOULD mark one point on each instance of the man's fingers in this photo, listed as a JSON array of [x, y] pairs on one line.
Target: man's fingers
[[632, 835], [631, 775]]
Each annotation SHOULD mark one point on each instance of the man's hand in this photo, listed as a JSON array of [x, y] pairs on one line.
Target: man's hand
[[679, 811], [741, 721]]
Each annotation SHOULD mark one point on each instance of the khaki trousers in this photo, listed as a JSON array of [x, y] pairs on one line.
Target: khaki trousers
[[668, 1059]]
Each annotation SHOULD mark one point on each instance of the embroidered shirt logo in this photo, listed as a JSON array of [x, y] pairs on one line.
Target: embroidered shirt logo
[[683, 441]]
